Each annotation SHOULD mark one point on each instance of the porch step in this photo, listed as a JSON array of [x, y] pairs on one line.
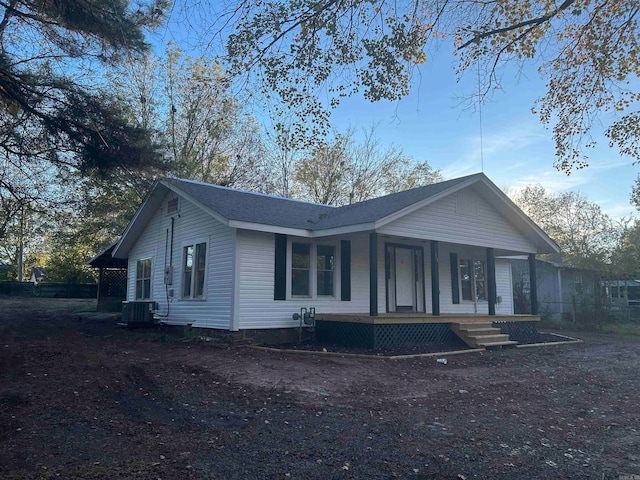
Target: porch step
[[478, 330], [490, 346], [484, 340], [481, 335]]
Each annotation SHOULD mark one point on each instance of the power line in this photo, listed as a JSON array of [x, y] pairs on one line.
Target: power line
[[480, 112]]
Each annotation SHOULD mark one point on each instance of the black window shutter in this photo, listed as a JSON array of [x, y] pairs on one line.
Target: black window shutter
[[455, 289], [280, 274], [345, 270]]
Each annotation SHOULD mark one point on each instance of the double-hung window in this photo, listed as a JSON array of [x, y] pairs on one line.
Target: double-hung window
[[312, 270], [300, 270], [472, 280], [143, 279], [325, 266], [194, 264]]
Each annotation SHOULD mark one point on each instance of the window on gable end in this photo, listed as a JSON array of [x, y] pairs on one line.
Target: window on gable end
[[172, 205]]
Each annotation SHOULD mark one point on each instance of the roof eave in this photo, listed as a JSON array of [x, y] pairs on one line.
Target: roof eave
[[178, 191], [126, 242], [344, 230], [543, 243], [264, 227], [121, 250]]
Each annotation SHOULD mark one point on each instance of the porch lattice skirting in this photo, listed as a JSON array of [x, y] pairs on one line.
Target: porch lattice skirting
[[377, 335], [521, 332]]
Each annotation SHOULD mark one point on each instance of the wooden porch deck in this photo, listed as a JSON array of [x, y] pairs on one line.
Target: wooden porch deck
[[419, 318]]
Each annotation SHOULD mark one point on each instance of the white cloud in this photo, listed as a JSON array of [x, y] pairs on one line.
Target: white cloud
[[460, 168], [552, 180], [618, 211], [497, 149]]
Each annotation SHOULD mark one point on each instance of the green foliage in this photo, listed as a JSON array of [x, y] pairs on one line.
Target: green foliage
[[587, 236], [635, 194], [68, 264], [208, 135], [57, 120], [624, 329], [343, 172], [52, 107], [296, 49], [104, 204], [626, 259]]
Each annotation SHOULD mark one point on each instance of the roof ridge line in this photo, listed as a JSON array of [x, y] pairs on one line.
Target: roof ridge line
[[259, 194]]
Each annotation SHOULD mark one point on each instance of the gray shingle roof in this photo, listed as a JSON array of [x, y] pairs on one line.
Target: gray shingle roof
[[283, 212]]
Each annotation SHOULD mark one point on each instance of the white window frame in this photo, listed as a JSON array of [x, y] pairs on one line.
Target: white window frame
[[291, 269], [192, 281], [474, 287], [317, 270], [313, 270], [143, 279]]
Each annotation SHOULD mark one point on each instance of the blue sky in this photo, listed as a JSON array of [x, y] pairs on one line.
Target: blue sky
[[431, 124]]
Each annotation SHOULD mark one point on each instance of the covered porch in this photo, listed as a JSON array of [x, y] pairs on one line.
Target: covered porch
[[390, 330], [432, 278]]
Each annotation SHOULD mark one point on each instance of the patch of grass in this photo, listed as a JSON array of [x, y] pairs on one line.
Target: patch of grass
[[53, 305], [624, 329], [67, 305]]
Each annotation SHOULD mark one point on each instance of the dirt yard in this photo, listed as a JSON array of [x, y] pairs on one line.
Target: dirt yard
[[84, 399]]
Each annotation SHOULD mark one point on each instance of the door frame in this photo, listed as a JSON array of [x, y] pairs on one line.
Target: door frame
[[387, 269]]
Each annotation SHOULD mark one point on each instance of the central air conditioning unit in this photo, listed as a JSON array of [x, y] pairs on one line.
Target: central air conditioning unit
[[139, 314]]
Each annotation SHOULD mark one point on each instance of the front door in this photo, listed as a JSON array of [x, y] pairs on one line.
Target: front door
[[405, 290], [404, 268]]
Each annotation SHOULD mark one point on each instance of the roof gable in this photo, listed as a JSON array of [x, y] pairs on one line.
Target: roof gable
[[255, 211], [240, 206]]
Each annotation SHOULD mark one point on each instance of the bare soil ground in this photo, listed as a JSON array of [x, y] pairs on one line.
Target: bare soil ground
[[80, 398]]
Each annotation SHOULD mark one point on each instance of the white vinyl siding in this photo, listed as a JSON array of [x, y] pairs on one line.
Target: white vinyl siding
[[443, 221], [193, 226], [256, 306], [503, 278], [503, 282]]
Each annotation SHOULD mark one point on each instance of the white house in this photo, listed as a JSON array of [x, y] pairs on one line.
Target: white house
[[220, 258]]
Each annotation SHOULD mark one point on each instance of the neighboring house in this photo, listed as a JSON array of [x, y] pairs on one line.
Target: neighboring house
[[220, 258], [621, 293], [38, 274], [562, 291]]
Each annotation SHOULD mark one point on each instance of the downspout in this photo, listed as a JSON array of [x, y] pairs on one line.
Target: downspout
[[170, 246]]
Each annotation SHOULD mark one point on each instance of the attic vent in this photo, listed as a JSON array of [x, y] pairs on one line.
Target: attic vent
[[466, 205], [172, 205]]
